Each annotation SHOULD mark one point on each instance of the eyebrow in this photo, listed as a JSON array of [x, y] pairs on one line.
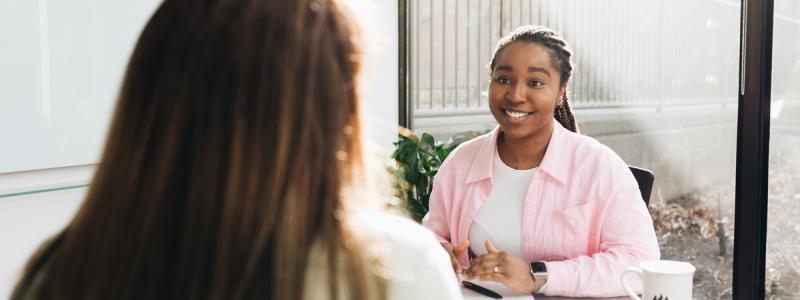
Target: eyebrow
[[530, 69]]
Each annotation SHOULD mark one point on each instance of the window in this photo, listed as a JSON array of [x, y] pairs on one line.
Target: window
[[656, 81], [783, 231]]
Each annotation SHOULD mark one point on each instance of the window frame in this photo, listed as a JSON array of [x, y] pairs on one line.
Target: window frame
[[752, 149], [404, 108]]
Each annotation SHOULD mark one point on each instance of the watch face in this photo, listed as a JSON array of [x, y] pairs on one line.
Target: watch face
[[538, 267]]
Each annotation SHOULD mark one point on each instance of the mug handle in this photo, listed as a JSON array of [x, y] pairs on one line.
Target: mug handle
[[625, 285]]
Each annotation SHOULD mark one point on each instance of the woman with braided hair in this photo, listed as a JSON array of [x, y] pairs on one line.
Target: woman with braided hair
[[545, 209]]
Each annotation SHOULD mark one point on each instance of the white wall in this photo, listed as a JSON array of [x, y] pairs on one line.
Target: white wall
[[61, 63], [26, 221], [381, 72]]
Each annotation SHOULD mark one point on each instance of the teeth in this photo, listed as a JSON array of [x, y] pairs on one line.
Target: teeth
[[515, 114]]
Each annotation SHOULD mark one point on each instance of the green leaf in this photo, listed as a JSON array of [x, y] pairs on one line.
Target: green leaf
[[408, 154], [428, 139], [427, 144], [443, 153], [422, 186], [412, 177]]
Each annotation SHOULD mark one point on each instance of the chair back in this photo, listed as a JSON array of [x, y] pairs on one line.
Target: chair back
[[645, 180]]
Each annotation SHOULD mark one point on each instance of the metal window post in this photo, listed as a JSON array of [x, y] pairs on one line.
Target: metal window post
[[752, 149]]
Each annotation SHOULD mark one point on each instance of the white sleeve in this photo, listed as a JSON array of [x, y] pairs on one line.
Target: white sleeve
[[438, 273], [422, 269]]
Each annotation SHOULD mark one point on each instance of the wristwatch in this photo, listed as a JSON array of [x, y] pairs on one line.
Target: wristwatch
[[539, 273]]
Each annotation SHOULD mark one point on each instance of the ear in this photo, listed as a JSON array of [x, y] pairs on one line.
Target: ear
[[562, 92]]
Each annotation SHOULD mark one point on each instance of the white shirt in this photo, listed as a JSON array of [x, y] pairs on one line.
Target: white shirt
[[500, 218]]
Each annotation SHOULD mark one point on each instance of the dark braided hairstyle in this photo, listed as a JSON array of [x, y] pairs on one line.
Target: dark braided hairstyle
[[561, 61]]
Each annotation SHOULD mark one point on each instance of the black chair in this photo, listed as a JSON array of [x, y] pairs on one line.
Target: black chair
[[645, 180]]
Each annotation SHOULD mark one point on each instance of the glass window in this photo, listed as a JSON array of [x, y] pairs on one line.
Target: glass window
[[783, 227], [657, 81]]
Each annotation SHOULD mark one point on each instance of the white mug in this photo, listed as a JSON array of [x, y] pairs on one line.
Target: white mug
[[663, 280]]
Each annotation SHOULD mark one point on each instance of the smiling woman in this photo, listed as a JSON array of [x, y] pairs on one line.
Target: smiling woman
[[523, 96], [542, 208], [544, 63]]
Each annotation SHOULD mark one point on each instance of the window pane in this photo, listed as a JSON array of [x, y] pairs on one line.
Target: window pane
[[783, 226], [657, 81]]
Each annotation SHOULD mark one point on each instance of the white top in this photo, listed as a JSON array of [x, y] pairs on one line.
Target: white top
[[500, 217], [417, 267]]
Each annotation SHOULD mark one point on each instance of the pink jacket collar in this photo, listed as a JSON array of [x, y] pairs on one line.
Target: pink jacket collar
[[552, 164]]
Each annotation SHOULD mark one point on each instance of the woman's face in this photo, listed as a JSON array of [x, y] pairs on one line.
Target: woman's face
[[524, 91]]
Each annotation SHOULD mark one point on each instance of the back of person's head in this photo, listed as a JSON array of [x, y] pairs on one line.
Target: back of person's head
[[235, 142]]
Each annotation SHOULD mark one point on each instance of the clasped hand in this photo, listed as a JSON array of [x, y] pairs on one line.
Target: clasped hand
[[499, 266]]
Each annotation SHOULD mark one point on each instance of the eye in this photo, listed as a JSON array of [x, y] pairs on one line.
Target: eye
[[535, 83], [502, 80]]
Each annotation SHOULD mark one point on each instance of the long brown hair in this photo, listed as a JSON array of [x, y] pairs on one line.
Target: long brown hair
[[235, 137], [561, 61]]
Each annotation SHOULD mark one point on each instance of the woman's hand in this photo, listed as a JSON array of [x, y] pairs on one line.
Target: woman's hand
[[504, 268], [455, 252]]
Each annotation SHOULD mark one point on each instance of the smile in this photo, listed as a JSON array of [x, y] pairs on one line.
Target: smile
[[516, 114]]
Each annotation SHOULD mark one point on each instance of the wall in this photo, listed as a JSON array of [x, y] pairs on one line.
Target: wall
[[687, 148], [61, 63], [26, 221], [380, 77]]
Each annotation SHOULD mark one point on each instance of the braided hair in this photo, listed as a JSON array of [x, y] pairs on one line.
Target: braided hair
[[561, 61]]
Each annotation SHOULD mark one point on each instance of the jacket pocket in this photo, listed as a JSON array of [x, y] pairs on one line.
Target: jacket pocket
[[573, 230]]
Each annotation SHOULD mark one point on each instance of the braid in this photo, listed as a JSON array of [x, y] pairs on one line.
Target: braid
[[561, 61], [542, 36], [563, 115]]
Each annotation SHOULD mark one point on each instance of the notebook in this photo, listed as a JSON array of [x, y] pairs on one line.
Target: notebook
[[497, 287]]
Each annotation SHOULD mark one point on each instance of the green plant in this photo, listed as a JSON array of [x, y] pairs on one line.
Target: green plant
[[418, 160]]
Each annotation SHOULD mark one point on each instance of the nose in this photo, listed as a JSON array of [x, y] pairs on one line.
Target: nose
[[517, 93]]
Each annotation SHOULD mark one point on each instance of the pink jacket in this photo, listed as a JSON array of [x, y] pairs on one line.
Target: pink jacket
[[583, 214]]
